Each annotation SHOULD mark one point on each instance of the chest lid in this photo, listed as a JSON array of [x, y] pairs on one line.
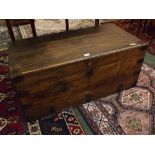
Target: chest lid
[[44, 52]]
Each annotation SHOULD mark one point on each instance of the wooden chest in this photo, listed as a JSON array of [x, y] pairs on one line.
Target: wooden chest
[[60, 70]]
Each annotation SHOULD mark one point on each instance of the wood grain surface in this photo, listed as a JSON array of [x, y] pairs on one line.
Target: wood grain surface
[[67, 69]]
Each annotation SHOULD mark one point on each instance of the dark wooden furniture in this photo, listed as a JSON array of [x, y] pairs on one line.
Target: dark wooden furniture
[[97, 22], [67, 24], [74, 67], [17, 22]]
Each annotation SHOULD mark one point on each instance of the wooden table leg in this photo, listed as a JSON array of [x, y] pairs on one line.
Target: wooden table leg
[[67, 24], [10, 30], [97, 21], [33, 28]]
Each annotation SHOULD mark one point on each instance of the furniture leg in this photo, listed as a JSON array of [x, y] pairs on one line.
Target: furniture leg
[[33, 28], [10, 30], [67, 24], [97, 22]]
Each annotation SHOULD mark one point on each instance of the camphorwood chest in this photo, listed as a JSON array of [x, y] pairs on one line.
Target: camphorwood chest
[[70, 68]]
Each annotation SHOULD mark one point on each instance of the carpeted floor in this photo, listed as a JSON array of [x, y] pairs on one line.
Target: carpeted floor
[[129, 112]]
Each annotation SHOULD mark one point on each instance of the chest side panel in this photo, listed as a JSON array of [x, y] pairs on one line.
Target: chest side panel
[[101, 77]]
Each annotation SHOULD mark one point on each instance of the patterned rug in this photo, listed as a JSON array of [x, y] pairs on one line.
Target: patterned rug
[[129, 112]]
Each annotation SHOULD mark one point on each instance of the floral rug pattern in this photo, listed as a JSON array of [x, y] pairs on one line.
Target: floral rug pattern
[[128, 112]]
